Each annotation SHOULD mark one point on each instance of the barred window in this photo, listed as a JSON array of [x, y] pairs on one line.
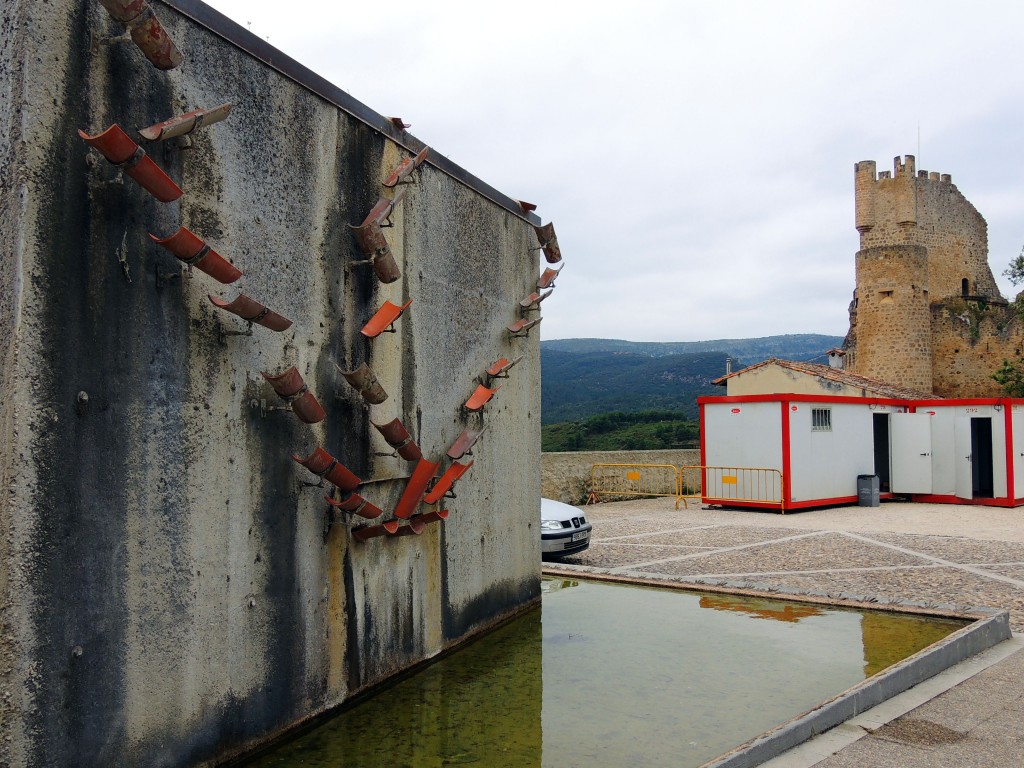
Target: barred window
[[821, 419]]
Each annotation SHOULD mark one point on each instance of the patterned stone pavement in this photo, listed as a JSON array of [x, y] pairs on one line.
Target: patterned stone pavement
[[850, 552]]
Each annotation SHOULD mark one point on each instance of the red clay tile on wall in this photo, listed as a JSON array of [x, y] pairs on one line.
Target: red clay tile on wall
[[480, 397], [372, 242], [464, 443], [415, 488], [357, 505], [549, 243], [384, 318], [290, 386], [442, 486], [406, 167], [365, 381], [252, 311], [185, 124], [118, 147], [325, 466], [398, 437], [196, 253]]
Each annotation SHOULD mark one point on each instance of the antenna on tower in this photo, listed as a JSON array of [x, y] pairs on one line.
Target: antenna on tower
[[920, 162]]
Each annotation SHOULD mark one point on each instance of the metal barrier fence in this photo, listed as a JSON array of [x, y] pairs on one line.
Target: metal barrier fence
[[633, 480], [756, 485]]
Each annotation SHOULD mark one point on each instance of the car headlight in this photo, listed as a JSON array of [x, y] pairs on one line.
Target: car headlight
[[550, 525]]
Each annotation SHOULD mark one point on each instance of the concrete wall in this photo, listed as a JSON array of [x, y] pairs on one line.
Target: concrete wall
[[776, 379], [565, 476], [171, 593]]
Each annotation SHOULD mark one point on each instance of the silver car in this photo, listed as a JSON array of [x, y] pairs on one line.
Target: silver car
[[564, 530]]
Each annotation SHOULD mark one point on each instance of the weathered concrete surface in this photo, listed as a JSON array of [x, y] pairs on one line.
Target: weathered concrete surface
[[171, 594], [565, 475]]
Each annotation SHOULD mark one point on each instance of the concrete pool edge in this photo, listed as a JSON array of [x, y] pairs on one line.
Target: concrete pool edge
[[982, 634], [987, 629]]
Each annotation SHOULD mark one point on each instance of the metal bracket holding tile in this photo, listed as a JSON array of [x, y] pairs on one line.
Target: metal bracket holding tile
[[402, 174], [123, 153], [499, 368], [372, 242], [522, 327], [196, 253], [548, 243], [165, 278], [532, 302], [547, 279]]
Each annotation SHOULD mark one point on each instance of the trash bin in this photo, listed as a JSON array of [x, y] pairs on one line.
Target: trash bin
[[867, 491]]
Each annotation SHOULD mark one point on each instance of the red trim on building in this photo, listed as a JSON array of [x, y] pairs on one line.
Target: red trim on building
[[930, 498], [1008, 445], [787, 465], [795, 398]]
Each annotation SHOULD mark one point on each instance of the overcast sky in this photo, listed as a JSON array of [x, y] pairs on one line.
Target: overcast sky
[[696, 158]]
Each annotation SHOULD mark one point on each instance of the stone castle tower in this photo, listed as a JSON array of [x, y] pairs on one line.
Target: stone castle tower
[[926, 313]]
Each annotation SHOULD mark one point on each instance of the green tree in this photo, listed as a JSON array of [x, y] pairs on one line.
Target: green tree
[[1010, 377], [1015, 272]]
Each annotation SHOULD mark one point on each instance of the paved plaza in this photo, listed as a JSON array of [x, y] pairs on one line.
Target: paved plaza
[[922, 555]]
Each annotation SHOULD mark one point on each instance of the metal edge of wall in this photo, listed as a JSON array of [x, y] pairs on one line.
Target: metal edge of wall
[[245, 40], [979, 636]]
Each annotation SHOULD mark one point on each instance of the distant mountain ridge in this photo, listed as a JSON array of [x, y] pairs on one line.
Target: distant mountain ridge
[[587, 377], [793, 346]]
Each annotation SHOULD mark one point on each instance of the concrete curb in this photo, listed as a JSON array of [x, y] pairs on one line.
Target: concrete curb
[[979, 636]]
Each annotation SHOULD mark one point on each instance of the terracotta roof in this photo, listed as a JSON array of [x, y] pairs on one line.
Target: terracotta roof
[[873, 386]]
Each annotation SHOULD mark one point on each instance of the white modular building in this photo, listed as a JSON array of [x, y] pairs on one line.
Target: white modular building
[[795, 451]]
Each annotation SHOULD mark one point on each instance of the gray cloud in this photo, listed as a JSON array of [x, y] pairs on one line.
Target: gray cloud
[[696, 158]]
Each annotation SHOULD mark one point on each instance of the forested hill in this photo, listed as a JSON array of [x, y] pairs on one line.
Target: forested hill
[[586, 377], [794, 346]]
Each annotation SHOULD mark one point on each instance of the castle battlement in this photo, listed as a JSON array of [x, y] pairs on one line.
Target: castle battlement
[[905, 169]]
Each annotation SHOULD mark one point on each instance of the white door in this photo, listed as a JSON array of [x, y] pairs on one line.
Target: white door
[[962, 457], [911, 436]]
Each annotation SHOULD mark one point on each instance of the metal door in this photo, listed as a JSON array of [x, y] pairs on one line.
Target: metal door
[[911, 435], [962, 457]]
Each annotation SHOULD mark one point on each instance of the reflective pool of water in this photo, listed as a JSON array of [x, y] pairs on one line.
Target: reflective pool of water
[[606, 676]]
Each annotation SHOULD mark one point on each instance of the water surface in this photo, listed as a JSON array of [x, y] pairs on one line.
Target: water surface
[[606, 676]]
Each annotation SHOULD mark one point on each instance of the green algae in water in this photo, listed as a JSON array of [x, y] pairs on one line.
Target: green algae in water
[[607, 675]]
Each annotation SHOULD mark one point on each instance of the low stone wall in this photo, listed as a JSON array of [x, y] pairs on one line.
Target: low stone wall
[[565, 476]]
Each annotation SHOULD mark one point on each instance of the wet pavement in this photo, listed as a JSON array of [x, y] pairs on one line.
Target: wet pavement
[[925, 556]]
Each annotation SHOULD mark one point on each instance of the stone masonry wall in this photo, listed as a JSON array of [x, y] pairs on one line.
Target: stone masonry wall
[[565, 476], [173, 589], [893, 329], [971, 341], [894, 335]]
